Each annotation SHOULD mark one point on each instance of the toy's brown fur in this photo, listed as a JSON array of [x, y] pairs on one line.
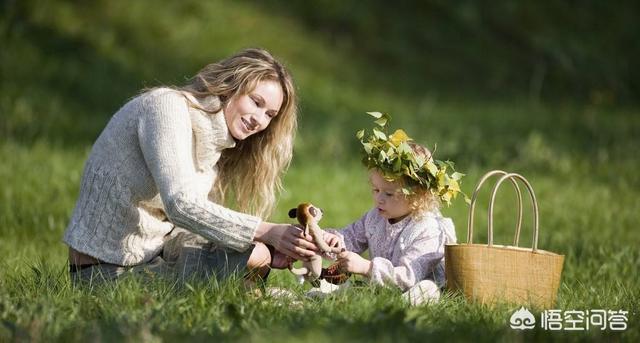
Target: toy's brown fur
[[308, 216]]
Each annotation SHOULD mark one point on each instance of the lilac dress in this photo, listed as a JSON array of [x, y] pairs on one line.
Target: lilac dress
[[404, 253]]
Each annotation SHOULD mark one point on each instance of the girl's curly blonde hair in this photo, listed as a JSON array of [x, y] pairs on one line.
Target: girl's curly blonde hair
[[252, 171], [422, 199]]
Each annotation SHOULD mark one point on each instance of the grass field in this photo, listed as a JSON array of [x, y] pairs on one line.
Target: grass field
[[580, 157]]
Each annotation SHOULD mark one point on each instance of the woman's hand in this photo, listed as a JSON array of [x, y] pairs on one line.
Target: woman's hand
[[354, 263], [287, 239]]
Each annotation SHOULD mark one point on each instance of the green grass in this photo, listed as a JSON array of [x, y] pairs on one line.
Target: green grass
[[588, 217], [580, 158]]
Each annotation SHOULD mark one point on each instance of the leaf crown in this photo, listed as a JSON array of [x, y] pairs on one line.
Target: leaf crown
[[394, 157]]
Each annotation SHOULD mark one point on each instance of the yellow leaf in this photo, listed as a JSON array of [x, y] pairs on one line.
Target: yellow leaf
[[398, 137], [440, 179], [446, 197], [453, 185], [432, 168]]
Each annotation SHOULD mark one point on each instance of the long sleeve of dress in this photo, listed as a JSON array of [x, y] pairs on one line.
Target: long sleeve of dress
[[165, 137], [353, 237]]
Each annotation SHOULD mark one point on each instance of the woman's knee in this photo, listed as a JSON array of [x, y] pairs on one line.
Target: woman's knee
[[260, 257]]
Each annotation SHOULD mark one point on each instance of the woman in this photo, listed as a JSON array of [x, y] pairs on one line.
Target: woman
[[155, 183]]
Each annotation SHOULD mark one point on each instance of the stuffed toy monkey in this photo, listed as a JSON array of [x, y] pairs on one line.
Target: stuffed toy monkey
[[308, 216]]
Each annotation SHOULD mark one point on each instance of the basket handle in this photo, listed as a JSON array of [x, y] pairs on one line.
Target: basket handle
[[475, 197], [534, 201]]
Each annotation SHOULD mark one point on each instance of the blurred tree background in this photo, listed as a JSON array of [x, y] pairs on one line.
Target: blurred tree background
[[583, 50], [537, 84], [67, 65]]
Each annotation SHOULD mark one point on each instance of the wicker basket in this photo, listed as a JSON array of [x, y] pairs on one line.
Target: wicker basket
[[488, 273]]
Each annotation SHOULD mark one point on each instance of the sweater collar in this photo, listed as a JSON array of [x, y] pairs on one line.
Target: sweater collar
[[220, 131], [221, 135], [211, 132]]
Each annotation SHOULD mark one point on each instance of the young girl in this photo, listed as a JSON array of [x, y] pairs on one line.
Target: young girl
[[404, 231]]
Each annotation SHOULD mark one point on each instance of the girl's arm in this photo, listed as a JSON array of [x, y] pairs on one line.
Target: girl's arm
[[353, 237]]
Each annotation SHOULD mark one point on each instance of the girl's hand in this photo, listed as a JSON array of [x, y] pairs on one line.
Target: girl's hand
[[354, 263], [287, 239], [331, 239]]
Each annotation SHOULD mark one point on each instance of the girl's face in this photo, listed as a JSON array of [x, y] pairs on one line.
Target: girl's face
[[247, 114], [388, 197]]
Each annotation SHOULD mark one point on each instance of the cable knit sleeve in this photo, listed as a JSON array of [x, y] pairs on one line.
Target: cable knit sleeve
[[353, 236], [420, 253], [165, 136]]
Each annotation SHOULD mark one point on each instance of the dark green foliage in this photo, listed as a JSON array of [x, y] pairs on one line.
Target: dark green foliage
[[543, 49], [547, 89]]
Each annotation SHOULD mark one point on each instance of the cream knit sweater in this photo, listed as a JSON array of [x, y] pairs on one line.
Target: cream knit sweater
[[152, 169]]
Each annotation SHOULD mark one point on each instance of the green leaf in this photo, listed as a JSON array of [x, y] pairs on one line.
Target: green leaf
[[450, 164], [379, 134], [397, 165], [367, 147], [375, 114], [467, 200], [381, 122], [404, 148], [382, 156], [457, 176], [391, 152]]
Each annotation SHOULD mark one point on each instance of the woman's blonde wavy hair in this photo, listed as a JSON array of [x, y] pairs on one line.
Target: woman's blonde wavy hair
[[252, 171]]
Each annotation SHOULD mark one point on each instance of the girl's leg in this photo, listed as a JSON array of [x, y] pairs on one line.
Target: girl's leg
[[422, 292]]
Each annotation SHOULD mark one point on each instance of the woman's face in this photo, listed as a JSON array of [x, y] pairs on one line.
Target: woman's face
[[388, 197], [251, 113]]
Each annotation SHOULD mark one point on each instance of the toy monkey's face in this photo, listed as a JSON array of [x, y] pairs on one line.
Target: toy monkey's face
[[306, 213]]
